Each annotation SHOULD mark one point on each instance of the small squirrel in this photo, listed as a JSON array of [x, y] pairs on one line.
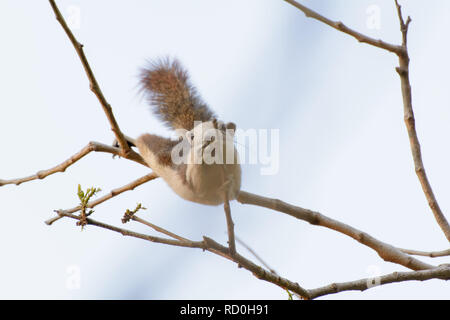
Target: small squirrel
[[203, 164]]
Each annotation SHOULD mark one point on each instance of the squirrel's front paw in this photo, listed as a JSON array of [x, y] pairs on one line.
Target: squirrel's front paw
[[130, 141]]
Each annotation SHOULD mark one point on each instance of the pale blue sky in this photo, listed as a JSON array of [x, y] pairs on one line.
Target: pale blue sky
[[343, 151]]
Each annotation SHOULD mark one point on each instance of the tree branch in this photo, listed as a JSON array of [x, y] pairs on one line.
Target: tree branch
[[91, 146], [158, 229], [230, 226], [130, 233], [95, 88], [432, 254], [257, 257], [207, 244], [115, 192], [440, 272], [386, 251], [338, 25], [403, 72], [258, 271]]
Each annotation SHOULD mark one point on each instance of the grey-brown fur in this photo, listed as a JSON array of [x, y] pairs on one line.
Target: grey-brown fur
[[175, 101], [162, 148], [167, 87]]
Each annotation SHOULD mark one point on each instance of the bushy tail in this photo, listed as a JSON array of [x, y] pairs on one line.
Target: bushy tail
[[168, 89]]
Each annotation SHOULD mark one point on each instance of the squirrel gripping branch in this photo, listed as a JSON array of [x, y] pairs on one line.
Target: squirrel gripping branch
[[203, 164]]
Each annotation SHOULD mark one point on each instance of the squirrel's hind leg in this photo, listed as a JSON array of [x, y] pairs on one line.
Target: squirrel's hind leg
[[156, 150]]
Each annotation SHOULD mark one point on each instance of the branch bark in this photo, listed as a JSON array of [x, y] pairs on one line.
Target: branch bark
[[431, 254], [115, 192], [230, 226], [403, 70], [91, 146], [93, 84], [338, 25], [386, 251], [441, 272], [207, 244]]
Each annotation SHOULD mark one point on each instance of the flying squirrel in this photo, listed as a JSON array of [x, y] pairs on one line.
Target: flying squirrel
[[203, 164]]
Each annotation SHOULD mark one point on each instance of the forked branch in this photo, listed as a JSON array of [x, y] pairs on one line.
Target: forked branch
[[386, 251], [91, 146], [338, 25], [403, 70], [95, 88]]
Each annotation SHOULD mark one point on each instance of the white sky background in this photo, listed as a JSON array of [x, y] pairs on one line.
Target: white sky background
[[344, 149]]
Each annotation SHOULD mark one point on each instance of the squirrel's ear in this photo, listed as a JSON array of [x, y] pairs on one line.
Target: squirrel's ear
[[231, 127]]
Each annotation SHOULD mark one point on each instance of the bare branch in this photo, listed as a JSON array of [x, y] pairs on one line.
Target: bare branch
[[230, 227], [95, 88], [440, 272], [338, 25], [207, 244], [115, 192], [431, 254], [173, 235], [130, 233], [403, 26], [258, 271], [158, 229], [246, 246], [91, 146], [403, 71], [386, 251]]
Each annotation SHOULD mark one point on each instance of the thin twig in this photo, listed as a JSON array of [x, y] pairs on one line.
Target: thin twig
[[91, 146], [230, 227], [115, 192], [95, 88], [403, 72], [431, 254], [338, 25], [249, 249], [130, 233], [172, 235], [386, 251], [207, 244], [258, 271], [158, 229], [440, 272]]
